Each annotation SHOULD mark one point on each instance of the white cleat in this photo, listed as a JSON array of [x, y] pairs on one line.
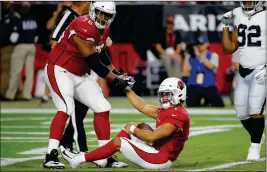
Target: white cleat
[[254, 152], [71, 158], [102, 163]]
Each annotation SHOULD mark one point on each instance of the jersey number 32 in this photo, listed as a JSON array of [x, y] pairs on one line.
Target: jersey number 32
[[255, 32]]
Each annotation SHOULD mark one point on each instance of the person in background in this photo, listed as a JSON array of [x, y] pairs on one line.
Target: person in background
[[202, 65], [168, 48], [25, 36], [7, 26]]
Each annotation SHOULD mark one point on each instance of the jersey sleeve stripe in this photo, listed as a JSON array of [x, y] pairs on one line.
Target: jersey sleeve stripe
[[59, 28]]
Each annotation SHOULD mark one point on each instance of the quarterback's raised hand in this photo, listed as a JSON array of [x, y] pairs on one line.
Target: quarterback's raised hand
[[124, 82], [228, 18]]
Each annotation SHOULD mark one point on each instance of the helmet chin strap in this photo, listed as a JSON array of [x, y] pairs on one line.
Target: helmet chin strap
[[166, 105]]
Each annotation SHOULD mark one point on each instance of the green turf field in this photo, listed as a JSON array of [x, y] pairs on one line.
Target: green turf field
[[217, 142]]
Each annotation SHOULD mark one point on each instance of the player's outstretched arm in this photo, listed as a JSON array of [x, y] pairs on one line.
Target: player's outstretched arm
[[88, 50], [229, 40], [141, 105]]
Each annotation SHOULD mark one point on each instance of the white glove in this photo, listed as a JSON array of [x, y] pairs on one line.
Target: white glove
[[228, 18], [260, 76]]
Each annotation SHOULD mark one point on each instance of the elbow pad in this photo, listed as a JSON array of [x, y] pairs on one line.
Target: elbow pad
[[105, 58], [95, 64]]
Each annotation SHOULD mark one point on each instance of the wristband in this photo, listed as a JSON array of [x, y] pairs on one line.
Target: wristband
[[132, 129]]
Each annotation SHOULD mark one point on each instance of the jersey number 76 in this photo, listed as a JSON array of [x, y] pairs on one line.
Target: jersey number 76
[[255, 32]]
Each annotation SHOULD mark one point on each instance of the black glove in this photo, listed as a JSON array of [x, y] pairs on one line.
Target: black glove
[[125, 83], [116, 72]]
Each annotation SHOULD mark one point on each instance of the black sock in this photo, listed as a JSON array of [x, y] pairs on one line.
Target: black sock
[[257, 129], [247, 125]]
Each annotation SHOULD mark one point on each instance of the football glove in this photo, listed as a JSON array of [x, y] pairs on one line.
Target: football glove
[[260, 76], [124, 82], [228, 18]]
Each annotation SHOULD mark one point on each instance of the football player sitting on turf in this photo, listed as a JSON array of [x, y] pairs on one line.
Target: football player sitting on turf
[[155, 149]]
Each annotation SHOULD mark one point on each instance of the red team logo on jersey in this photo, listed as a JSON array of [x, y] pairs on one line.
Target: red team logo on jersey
[[180, 85]]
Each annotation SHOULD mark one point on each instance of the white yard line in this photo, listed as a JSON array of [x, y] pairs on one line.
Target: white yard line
[[25, 119], [120, 111], [226, 165]]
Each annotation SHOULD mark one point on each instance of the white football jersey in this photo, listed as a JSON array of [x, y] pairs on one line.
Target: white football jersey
[[251, 38]]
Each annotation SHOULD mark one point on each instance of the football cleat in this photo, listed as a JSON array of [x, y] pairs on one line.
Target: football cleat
[[254, 152], [71, 158], [114, 163], [51, 161], [102, 163]]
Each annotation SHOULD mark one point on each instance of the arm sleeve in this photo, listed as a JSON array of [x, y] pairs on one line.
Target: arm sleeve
[[95, 64]]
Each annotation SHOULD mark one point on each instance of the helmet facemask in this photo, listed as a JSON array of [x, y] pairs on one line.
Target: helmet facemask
[[250, 7], [165, 99], [101, 19]]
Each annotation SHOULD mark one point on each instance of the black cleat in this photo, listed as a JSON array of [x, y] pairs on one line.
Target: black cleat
[[114, 163], [51, 161]]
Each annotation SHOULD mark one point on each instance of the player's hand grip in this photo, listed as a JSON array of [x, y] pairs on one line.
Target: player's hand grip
[[125, 83], [228, 18]]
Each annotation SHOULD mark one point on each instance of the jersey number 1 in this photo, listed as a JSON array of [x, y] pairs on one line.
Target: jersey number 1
[[255, 32]]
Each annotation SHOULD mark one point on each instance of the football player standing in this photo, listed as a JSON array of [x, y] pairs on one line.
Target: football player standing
[[76, 52], [249, 37]]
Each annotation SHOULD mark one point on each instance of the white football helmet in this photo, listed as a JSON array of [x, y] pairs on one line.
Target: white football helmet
[[255, 7], [175, 89], [102, 13]]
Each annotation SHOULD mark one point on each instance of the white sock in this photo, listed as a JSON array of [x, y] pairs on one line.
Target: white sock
[[257, 145], [102, 142], [52, 144]]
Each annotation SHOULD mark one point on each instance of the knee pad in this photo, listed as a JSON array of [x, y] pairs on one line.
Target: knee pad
[[242, 112], [101, 106], [65, 105]]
